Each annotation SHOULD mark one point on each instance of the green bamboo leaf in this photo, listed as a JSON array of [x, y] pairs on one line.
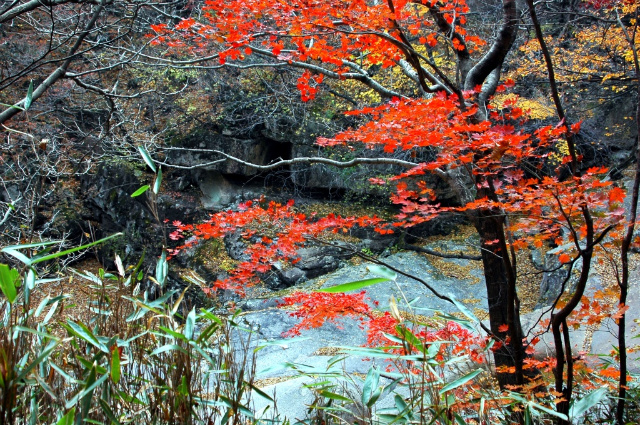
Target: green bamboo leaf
[[462, 322], [132, 399], [76, 249], [8, 279], [168, 347], [434, 348], [87, 394], [382, 271], [393, 338], [459, 419], [536, 406], [528, 420], [242, 409], [370, 385], [46, 387], [30, 279], [43, 355], [26, 295], [386, 390], [400, 404], [81, 331], [374, 397], [137, 314], [108, 412], [210, 316], [29, 98], [140, 191], [88, 276], [42, 253], [68, 418], [147, 158], [283, 343], [89, 390], [162, 269], [352, 286], [579, 407], [88, 364], [14, 107], [259, 392], [378, 353], [41, 306], [333, 408], [206, 333], [334, 396], [411, 338], [127, 342], [190, 324], [64, 374], [203, 353], [16, 254], [49, 280], [172, 333], [33, 407], [115, 365], [464, 310], [33, 245], [389, 418], [158, 182], [460, 381], [35, 332], [155, 305]]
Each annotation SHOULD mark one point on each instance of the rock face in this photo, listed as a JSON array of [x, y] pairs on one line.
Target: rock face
[[224, 182], [111, 209], [316, 261]]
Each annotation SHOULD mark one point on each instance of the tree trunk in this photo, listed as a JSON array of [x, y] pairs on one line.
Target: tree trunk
[[503, 308]]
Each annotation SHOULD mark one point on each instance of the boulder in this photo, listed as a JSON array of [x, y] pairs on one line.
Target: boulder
[[313, 262], [319, 260]]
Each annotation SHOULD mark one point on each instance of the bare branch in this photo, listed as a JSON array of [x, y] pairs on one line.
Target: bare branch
[[458, 255], [60, 71], [190, 167], [103, 92], [494, 58], [13, 12], [300, 160], [410, 72]]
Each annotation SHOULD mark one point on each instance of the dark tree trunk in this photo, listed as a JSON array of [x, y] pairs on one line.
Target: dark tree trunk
[[502, 299]]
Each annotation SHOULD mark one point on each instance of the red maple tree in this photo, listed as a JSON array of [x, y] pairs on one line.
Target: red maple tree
[[505, 186]]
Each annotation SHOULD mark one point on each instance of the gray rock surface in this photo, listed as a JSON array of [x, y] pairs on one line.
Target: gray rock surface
[[316, 346]]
